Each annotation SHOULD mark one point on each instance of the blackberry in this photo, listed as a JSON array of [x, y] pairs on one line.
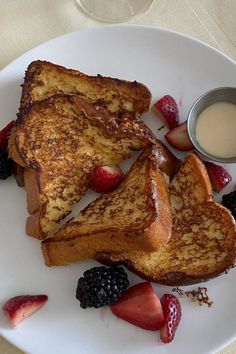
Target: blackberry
[[5, 164], [101, 286], [229, 201]]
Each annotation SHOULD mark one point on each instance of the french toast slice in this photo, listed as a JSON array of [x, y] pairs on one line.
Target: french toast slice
[[135, 216], [120, 97], [60, 141], [203, 241]]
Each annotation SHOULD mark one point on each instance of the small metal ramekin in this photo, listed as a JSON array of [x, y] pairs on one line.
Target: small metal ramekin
[[225, 94]]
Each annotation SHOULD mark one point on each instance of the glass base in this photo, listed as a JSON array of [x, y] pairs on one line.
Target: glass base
[[114, 10]]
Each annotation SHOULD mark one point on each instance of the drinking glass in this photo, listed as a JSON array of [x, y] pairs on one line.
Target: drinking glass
[[114, 10]]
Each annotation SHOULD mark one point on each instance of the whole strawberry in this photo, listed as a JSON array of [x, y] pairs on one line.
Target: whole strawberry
[[166, 108], [105, 178], [172, 313]]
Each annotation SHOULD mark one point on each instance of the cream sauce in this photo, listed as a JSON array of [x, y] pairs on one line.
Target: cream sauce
[[216, 129]]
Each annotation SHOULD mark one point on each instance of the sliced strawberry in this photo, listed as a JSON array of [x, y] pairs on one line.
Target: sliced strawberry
[[4, 134], [218, 175], [166, 108], [172, 312], [20, 307], [105, 178], [140, 306], [179, 139]]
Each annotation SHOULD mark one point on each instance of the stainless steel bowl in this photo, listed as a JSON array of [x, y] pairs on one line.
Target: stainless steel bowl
[[226, 94]]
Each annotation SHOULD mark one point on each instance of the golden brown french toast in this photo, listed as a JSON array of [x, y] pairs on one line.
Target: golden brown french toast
[[60, 141], [203, 241], [120, 97], [135, 216]]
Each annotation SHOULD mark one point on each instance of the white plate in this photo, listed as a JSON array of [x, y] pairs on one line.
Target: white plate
[[168, 63]]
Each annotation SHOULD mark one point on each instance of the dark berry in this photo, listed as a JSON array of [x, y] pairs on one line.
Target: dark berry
[[5, 164], [229, 201], [101, 286]]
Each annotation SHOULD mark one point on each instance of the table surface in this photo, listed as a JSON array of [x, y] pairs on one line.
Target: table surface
[[27, 23]]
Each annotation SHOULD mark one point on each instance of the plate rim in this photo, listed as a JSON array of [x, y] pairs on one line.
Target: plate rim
[[134, 26]]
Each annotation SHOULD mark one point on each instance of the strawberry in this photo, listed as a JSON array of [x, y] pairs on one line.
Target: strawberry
[[140, 306], [172, 312], [218, 175], [166, 108], [20, 307], [4, 134], [178, 138], [105, 178]]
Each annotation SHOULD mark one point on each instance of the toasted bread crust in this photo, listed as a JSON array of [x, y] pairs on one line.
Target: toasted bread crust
[[134, 216], [33, 227], [171, 278], [203, 242], [63, 252], [12, 149], [31, 187], [191, 184], [167, 162], [119, 97]]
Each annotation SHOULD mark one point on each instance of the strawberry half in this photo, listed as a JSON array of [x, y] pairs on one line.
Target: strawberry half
[[179, 139], [20, 307], [105, 178], [166, 108], [4, 134], [140, 306], [219, 177], [172, 312]]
